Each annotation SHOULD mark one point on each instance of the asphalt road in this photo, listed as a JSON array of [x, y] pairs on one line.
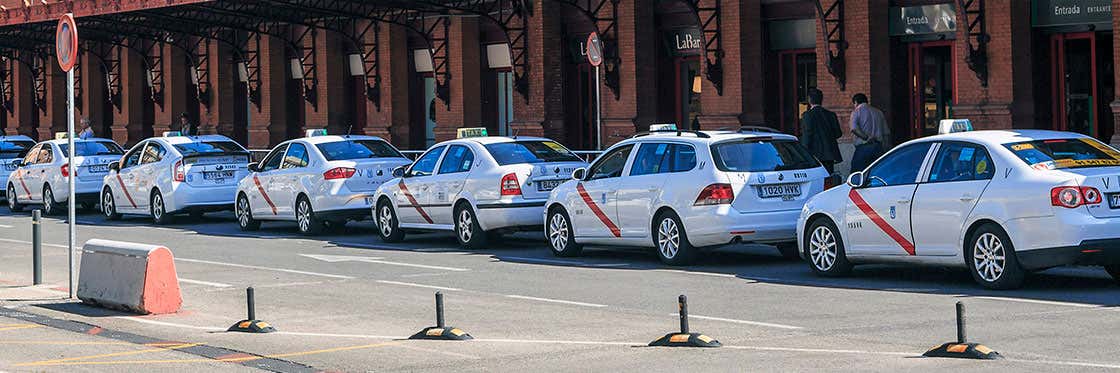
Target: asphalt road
[[346, 302]]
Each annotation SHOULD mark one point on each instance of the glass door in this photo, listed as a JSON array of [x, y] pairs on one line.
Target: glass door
[[797, 74], [1074, 78], [688, 88], [932, 85]]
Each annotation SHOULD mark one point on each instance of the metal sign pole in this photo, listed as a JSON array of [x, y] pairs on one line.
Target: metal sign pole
[[598, 114], [73, 171]]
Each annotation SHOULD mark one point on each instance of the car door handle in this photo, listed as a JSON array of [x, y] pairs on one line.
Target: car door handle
[[967, 198], [903, 201], [654, 189]]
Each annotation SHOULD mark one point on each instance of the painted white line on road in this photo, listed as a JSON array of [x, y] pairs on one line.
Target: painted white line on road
[[377, 260], [171, 324], [724, 275], [396, 248], [207, 283], [365, 336], [556, 301], [29, 243], [557, 261], [756, 323], [6, 226], [559, 342], [425, 266], [418, 285], [821, 350], [264, 268], [1067, 363], [1034, 301]]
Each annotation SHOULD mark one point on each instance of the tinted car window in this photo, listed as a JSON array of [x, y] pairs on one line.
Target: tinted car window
[[961, 162], [427, 162], [611, 164], [88, 148], [357, 149], [273, 160], [651, 159], [14, 149], [45, 155], [1065, 153], [506, 153], [153, 153], [296, 156], [753, 155], [133, 157], [458, 159], [32, 156], [682, 158], [209, 147], [899, 167]]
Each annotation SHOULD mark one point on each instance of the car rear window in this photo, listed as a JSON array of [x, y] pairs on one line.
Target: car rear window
[[209, 147], [14, 149], [1065, 153], [90, 148], [530, 152], [753, 155], [357, 149]]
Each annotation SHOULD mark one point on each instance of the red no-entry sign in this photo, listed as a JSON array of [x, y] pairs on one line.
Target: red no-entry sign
[[66, 42], [594, 49]]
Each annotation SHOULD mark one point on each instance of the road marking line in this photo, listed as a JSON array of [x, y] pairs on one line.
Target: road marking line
[[164, 323], [558, 261], [207, 360], [418, 285], [29, 243], [556, 301], [724, 275], [27, 326], [822, 350], [114, 354], [207, 283], [599, 343], [6, 226], [756, 323], [454, 269], [342, 335], [1034, 301], [63, 343], [264, 268], [1069, 363]]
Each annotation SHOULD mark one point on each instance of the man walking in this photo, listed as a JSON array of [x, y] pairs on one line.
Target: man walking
[[185, 126], [870, 131], [819, 131]]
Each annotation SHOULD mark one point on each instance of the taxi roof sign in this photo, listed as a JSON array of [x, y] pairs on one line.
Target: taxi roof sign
[[953, 126], [172, 134], [471, 132], [61, 135], [663, 127], [316, 132]]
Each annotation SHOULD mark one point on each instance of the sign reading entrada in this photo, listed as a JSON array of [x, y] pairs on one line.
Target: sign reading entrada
[[925, 19], [1072, 12]]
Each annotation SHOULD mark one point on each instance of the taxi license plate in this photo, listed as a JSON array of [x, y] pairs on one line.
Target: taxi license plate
[[99, 168], [1114, 200], [217, 175], [548, 185], [779, 190], [369, 200]]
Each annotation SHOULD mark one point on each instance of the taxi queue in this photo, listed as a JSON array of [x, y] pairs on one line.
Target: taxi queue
[[1001, 204]]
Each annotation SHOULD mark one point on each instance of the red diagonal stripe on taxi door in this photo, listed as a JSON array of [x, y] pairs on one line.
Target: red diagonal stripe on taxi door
[[879, 221], [598, 212], [412, 201], [260, 188]]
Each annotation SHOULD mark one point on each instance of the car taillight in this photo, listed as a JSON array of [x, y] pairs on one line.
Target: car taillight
[[177, 171], [715, 194], [1071, 196], [65, 170], [339, 173], [510, 185]]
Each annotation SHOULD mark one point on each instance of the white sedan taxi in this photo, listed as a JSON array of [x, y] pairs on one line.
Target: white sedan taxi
[[42, 177], [999, 203], [316, 181], [12, 151], [475, 186], [678, 191], [172, 174]]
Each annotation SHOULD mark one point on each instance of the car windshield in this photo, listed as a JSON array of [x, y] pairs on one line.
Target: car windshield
[[1065, 153], [754, 155], [515, 152], [14, 149], [357, 149], [209, 147], [89, 148]]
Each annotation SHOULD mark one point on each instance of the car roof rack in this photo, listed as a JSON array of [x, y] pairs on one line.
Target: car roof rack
[[678, 132], [758, 129]]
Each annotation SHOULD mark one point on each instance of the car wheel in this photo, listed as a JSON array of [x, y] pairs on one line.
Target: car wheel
[[109, 205], [49, 205], [1114, 271], [559, 232], [671, 240], [387, 224], [305, 218], [13, 203], [789, 250], [244, 214], [825, 249], [467, 230], [991, 259], [158, 209]]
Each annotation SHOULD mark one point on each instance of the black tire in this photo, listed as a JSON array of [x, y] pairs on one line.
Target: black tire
[[244, 212], [467, 231], [158, 209], [1114, 271], [109, 205], [824, 249], [985, 248], [306, 221], [789, 250], [388, 227], [559, 232], [671, 241], [50, 207], [13, 199]]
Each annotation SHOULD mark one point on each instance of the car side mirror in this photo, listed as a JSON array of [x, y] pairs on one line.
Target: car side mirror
[[855, 180], [115, 166], [579, 173], [399, 171], [253, 166]]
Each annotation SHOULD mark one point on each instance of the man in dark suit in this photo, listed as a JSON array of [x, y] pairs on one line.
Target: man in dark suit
[[819, 131]]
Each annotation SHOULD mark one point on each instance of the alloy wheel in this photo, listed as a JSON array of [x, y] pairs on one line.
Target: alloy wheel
[[12, 198], [243, 211], [107, 206], [988, 257], [385, 221], [466, 225], [157, 207], [822, 248], [558, 232], [303, 215], [668, 238], [48, 201]]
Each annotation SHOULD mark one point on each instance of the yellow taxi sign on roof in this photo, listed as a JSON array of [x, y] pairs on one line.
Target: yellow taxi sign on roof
[[172, 134], [663, 127], [316, 132], [954, 125], [61, 135], [471, 132]]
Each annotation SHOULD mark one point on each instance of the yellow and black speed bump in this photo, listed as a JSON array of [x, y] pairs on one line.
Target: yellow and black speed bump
[[446, 333], [963, 351], [251, 326], [685, 340]]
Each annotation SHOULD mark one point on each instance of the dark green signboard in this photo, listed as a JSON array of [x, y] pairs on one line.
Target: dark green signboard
[[1047, 13], [921, 20]]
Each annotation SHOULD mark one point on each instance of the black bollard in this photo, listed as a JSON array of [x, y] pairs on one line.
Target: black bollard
[[249, 303], [961, 348], [441, 331], [684, 338], [439, 310], [682, 304], [37, 247], [961, 336], [251, 324]]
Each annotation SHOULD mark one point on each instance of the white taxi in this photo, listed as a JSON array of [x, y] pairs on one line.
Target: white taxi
[[315, 180], [477, 187], [999, 203], [12, 151], [173, 174], [677, 191], [42, 177]]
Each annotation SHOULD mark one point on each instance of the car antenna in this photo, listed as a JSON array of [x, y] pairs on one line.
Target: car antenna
[[349, 128], [515, 133]]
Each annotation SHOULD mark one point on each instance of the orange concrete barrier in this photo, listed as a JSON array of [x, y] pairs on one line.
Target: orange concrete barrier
[[129, 276]]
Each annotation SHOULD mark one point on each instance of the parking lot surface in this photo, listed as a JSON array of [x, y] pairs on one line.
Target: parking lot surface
[[345, 301]]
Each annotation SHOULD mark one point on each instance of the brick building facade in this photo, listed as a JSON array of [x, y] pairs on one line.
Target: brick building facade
[[708, 64]]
